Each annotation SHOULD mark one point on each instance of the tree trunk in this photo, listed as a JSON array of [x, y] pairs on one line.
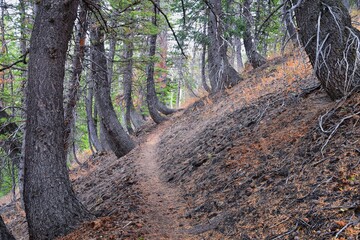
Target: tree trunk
[[222, 75], [104, 140], [346, 4], [4, 232], [203, 62], [164, 109], [151, 97], [128, 75], [256, 22], [136, 118], [110, 58], [239, 61], [203, 69], [288, 22], [331, 43], [255, 59], [178, 93], [24, 19], [119, 141], [11, 147], [51, 207], [93, 136], [77, 67]]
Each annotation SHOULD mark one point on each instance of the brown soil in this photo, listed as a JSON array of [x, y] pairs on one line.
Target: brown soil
[[164, 205], [251, 163]]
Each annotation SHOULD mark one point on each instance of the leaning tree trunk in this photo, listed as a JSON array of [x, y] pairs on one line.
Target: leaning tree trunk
[[331, 43], [119, 141], [4, 232], [222, 75], [77, 67], [151, 97], [131, 115], [50, 204], [255, 58], [136, 118], [91, 126]]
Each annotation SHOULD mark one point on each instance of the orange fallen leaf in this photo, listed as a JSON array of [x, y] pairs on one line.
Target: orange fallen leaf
[[340, 223]]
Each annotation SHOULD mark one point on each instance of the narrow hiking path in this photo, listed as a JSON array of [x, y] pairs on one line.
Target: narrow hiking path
[[164, 207]]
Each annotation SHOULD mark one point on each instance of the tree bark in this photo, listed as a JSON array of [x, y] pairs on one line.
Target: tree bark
[[77, 67], [24, 30], [104, 140], [110, 58], [288, 22], [4, 232], [203, 69], [255, 58], [118, 140], [203, 61], [346, 4], [11, 147], [222, 75], [331, 43], [128, 75], [93, 136], [239, 61], [51, 207], [136, 118], [151, 97]]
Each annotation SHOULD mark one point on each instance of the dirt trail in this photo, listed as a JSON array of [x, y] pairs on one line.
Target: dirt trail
[[163, 205]]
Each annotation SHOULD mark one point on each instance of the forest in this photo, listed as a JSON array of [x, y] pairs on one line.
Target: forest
[[179, 119]]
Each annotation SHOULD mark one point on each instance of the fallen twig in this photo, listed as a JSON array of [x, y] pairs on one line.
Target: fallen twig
[[127, 224], [326, 181], [286, 233], [345, 227], [335, 129]]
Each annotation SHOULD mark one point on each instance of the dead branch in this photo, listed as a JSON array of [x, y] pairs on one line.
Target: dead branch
[[212, 10], [184, 12], [281, 236], [95, 8], [170, 26], [21, 60], [268, 18], [315, 188], [351, 223], [335, 129]]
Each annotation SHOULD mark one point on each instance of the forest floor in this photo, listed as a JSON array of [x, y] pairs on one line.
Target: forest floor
[[271, 158]]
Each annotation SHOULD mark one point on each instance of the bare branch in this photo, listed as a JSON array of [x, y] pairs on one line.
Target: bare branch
[[184, 12], [22, 60], [268, 17], [171, 28], [335, 129]]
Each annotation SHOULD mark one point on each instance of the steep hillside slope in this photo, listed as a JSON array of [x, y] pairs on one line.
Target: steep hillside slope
[[280, 166], [271, 158]]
